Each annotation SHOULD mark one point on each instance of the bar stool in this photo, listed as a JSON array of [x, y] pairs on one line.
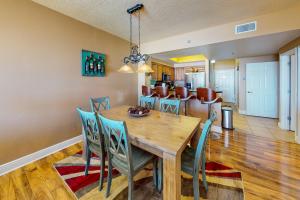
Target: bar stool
[[183, 95], [147, 91], [163, 92], [209, 97]]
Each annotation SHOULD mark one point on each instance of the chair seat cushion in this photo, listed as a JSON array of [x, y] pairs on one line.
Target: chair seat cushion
[[139, 159], [187, 160]]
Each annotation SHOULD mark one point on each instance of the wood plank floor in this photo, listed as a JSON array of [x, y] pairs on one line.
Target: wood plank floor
[[260, 126], [270, 169]]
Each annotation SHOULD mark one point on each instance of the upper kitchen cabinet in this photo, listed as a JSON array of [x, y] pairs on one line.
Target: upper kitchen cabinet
[[159, 69], [159, 72], [154, 68], [172, 74]]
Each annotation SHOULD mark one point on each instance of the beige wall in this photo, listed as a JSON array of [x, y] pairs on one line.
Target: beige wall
[[225, 64], [40, 79], [242, 76]]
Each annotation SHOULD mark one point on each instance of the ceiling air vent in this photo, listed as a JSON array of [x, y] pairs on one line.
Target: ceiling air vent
[[244, 28]]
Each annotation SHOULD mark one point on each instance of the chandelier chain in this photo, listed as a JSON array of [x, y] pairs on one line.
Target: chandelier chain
[[130, 31], [139, 31]]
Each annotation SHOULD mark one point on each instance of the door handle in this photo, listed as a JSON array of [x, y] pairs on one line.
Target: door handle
[[250, 92]]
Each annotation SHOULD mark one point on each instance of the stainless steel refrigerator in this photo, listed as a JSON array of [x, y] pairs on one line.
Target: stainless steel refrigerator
[[196, 79]]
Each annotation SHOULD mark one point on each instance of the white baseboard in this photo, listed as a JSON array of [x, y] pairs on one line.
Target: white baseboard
[[20, 162], [242, 112]]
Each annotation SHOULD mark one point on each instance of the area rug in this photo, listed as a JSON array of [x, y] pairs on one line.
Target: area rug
[[223, 182]]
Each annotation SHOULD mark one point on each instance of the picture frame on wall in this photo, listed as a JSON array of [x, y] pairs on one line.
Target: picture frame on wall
[[92, 64]]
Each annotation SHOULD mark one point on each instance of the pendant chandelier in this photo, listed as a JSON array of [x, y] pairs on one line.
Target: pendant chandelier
[[135, 57]]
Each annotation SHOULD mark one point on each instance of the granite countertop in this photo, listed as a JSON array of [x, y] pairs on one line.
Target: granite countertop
[[194, 90], [171, 90]]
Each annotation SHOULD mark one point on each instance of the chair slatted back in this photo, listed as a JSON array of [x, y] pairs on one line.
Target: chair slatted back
[[117, 140], [92, 131], [202, 141], [98, 104], [170, 105], [148, 102]]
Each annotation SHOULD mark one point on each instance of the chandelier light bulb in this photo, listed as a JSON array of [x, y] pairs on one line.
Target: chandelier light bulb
[[126, 69], [144, 68]]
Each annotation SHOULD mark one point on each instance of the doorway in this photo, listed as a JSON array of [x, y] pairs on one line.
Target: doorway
[[288, 90], [262, 89], [224, 81]]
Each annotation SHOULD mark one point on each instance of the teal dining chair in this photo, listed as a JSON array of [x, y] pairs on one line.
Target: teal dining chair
[[148, 102], [191, 158], [127, 159], [101, 103], [94, 141], [169, 105]]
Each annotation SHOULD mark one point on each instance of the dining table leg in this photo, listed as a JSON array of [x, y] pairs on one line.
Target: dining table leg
[[171, 176]]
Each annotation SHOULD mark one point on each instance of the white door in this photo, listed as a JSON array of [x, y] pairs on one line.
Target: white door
[[224, 81], [261, 89]]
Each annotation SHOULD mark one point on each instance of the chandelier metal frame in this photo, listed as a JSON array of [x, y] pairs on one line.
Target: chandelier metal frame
[[135, 56]]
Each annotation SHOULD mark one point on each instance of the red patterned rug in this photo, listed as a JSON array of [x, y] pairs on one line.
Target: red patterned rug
[[223, 181]]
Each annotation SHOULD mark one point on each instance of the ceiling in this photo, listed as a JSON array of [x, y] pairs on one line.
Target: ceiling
[[255, 46], [163, 18]]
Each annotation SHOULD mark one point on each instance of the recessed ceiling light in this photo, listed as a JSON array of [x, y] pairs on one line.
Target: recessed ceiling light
[[213, 61], [192, 58]]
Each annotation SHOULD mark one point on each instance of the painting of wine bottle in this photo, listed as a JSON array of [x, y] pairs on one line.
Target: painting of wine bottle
[[93, 63]]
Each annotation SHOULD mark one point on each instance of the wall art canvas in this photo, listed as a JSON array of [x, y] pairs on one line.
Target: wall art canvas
[[92, 63]]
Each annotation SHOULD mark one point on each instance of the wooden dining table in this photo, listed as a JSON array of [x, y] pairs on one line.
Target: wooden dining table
[[163, 134]]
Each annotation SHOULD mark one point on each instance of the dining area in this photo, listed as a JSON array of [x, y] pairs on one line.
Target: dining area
[[108, 100], [160, 140]]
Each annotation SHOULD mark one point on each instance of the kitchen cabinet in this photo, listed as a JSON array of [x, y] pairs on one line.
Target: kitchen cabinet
[[159, 69], [159, 72], [154, 74], [172, 74]]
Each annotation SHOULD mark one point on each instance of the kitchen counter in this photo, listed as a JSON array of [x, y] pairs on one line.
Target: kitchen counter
[[191, 90], [197, 109]]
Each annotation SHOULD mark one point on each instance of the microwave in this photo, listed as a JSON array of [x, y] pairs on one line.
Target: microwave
[[165, 77]]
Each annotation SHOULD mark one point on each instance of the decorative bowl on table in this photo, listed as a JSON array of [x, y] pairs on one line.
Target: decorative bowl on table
[[138, 111]]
